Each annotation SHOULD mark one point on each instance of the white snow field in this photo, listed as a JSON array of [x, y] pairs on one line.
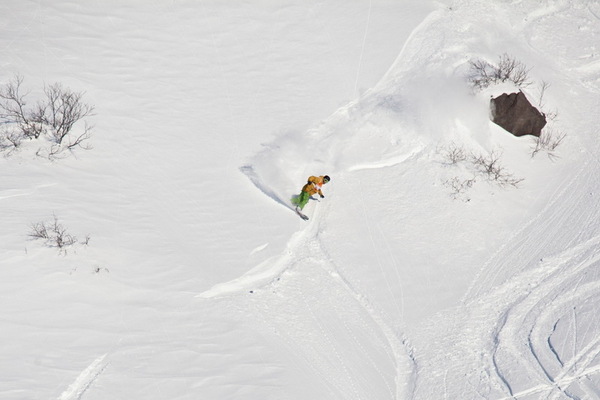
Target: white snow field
[[199, 281]]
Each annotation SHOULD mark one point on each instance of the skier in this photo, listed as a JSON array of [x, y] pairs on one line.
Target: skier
[[313, 186]]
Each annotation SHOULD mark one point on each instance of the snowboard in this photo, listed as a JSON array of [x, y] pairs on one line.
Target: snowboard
[[303, 216]]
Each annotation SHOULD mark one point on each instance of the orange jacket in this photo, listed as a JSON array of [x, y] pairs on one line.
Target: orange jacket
[[314, 185]]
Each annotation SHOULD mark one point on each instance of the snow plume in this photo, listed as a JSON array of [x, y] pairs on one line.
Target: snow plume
[[281, 167], [379, 130]]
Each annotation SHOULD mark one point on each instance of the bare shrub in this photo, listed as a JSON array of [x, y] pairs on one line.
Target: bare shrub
[[458, 187], [547, 142], [39, 230], [487, 166], [453, 154], [14, 112], [54, 234], [512, 70], [53, 117], [483, 74], [542, 88], [57, 150], [63, 109], [490, 166], [10, 140]]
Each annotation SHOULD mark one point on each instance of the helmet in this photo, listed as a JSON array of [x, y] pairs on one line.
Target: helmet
[[326, 178]]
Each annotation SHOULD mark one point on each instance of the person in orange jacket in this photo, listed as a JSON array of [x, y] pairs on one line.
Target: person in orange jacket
[[313, 186]]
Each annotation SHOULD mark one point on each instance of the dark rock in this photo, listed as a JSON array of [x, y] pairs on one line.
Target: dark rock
[[515, 113]]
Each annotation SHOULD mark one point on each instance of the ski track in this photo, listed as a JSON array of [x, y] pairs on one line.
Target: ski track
[[537, 234], [9, 193], [518, 323], [250, 172], [524, 333], [531, 303], [519, 296], [259, 248], [276, 275], [546, 294], [526, 327], [85, 379], [389, 162]]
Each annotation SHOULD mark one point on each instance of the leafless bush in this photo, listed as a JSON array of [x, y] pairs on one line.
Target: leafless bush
[[62, 110], [10, 141], [482, 74], [489, 166], [453, 154], [57, 151], [542, 88], [512, 70], [547, 142], [54, 234], [53, 117], [458, 187], [39, 230], [14, 112]]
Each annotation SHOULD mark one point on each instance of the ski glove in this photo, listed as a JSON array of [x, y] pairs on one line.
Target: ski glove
[[322, 196]]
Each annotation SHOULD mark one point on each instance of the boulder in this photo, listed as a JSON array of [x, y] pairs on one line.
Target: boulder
[[515, 113]]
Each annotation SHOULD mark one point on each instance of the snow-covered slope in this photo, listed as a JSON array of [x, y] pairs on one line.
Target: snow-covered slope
[[200, 282]]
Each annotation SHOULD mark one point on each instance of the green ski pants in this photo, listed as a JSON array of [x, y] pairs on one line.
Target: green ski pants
[[301, 200]]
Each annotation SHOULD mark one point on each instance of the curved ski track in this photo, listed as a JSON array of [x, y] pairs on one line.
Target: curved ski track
[[525, 335], [548, 325], [297, 302]]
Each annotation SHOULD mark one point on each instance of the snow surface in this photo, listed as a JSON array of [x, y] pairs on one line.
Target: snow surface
[[199, 281]]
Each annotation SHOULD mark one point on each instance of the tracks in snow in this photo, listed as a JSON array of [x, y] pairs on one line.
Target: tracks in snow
[[546, 333], [85, 379], [529, 322], [344, 342], [550, 333], [533, 337]]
